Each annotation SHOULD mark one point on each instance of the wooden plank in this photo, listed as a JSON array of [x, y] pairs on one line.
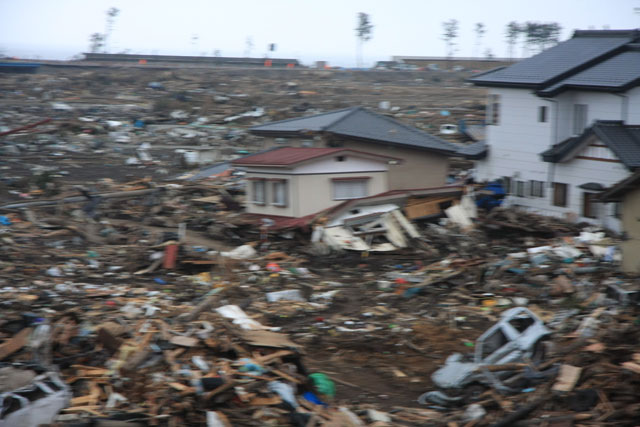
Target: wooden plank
[[567, 378], [270, 357], [220, 389], [286, 376], [14, 344]]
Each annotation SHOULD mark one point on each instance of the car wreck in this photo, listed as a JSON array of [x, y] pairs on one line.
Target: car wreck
[[518, 337]]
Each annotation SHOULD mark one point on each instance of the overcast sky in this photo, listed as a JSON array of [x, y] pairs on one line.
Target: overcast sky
[[308, 30]]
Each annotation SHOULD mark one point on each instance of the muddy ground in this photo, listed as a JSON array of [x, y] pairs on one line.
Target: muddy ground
[[386, 367]]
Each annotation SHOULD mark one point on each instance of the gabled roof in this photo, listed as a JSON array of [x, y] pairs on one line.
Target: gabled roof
[[623, 140], [584, 50], [289, 156], [393, 196], [617, 191], [476, 151], [357, 123], [615, 74]]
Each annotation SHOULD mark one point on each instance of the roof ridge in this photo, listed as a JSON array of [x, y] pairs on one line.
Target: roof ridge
[[412, 128], [608, 122], [353, 110], [303, 117], [632, 32], [480, 74], [445, 145], [612, 146]]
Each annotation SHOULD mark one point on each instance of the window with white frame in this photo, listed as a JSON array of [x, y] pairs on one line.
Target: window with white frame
[[350, 188], [579, 118], [536, 188], [506, 184], [279, 193], [617, 210], [589, 205], [560, 194], [493, 110], [542, 114], [520, 189], [258, 191]]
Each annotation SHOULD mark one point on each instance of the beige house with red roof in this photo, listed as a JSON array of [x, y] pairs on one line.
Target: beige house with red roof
[[296, 182], [425, 157]]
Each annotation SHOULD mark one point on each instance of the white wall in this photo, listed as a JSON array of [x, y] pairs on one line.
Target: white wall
[[633, 115], [268, 208], [351, 164], [315, 192], [516, 142], [310, 188], [601, 106]]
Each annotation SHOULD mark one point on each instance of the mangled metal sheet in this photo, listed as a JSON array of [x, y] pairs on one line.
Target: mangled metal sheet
[[380, 228], [35, 403]]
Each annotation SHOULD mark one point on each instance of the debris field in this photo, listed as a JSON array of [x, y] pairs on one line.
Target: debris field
[[135, 294]]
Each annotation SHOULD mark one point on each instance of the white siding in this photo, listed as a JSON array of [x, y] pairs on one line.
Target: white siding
[[600, 106], [351, 164], [575, 173], [268, 207], [315, 192], [309, 186], [633, 114], [597, 151], [516, 142]]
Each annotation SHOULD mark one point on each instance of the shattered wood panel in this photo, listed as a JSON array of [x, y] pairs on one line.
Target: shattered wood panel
[[419, 208]]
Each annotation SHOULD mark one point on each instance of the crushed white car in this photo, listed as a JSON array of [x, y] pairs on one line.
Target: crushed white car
[[518, 337]]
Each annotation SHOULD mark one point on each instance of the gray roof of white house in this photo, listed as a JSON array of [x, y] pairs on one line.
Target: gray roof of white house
[[474, 151], [586, 49], [358, 123], [614, 74], [623, 140]]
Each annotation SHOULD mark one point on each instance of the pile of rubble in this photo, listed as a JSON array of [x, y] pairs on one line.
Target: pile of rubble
[[158, 305], [133, 298]]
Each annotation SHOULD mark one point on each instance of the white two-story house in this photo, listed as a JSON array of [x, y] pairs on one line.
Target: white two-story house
[[564, 125]]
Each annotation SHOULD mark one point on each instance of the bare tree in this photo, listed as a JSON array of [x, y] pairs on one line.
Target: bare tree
[[449, 36], [96, 42], [111, 17], [550, 35], [363, 33], [194, 42], [248, 43], [480, 30], [540, 36], [512, 33]]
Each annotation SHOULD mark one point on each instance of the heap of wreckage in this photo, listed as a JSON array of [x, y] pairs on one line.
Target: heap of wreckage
[[158, 302], [163, 304]]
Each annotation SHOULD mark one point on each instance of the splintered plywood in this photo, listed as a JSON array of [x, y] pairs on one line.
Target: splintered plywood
[[418, 208], [267, 339], [15, 343], [567, 378]]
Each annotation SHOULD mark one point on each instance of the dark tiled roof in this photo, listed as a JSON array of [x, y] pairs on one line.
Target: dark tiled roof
[[618, 72], [571, 56], [359, 123], [617, 191], [316, 123], [287, 156], [623, 140], [557, 152], [477, 150]]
